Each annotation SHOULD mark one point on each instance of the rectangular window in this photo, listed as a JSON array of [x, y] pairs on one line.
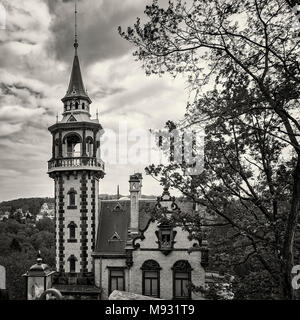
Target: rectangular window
[[72, 265], [72, 199], [116, 280], [72, 232], [181, 285], [151, 286]]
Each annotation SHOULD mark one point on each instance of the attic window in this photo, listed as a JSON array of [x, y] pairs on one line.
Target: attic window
[[118, 207], [165, 236], [115, 237]]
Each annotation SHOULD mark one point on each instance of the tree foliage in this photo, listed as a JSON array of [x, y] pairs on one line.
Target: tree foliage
[[19, 245], [240, 59], [33, 205]]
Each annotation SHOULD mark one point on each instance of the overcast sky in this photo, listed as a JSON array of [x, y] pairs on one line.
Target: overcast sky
[[36, 53]]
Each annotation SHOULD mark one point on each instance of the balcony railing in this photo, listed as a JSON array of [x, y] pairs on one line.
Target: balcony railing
[[76, 162]]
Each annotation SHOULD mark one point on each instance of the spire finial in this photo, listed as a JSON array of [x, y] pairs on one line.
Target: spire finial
[[39, 258], [76, 36]]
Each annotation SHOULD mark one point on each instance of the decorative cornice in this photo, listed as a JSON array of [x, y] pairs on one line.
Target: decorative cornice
[[75, 125]]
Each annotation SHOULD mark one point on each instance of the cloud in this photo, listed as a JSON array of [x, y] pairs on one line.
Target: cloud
[[97, 28], [36, 52], [8, 129]]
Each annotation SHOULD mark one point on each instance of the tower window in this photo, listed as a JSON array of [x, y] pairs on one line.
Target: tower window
[[72, 199], [72, 261], [73, 144], [72, 232], [76, 105], [182, 280], [151, 278], [83, 106]]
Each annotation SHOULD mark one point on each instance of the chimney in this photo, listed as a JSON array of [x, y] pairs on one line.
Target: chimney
[[118, 192], [135, 188]]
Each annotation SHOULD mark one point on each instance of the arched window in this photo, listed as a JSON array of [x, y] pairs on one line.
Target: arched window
[[72, 261], [151, 278], [72, 231], [182, 280], [72, 199], [76, 105], [73, 141], [83, 106]]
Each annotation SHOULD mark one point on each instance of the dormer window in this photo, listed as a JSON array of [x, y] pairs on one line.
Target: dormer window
[[166, 238], [115, 237]]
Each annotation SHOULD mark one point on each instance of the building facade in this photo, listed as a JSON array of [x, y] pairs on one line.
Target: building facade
[[137, 253], [104, 245]]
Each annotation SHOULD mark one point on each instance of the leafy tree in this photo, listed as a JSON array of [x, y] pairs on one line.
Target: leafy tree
[[33, 205], [19, 244], [15, 245], [46, 224], [241, 62]]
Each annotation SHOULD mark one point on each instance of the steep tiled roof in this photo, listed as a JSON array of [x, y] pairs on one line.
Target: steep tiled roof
[[114, 217], [76, 86]]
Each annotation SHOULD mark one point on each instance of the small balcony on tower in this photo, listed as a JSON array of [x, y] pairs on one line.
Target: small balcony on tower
[[75, 152]]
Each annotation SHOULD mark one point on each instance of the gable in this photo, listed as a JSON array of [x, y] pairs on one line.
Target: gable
[[150, 238], [72, 119]]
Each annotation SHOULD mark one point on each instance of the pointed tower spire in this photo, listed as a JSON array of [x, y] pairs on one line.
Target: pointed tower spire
[[76, 36], [76, 87]]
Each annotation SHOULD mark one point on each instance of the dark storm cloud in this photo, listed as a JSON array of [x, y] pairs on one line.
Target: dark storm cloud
[[97, 28]]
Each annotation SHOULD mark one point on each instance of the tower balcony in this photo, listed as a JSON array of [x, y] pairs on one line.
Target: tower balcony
[[76, 163]]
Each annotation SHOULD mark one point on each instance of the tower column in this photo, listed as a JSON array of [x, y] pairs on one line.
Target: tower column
[[60, 144], [95, 144], [53, 145], [84, 143], [84, 224], [61, 225]]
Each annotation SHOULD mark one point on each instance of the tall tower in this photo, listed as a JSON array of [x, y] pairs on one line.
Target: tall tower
[[76, 168], [135, 188]]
